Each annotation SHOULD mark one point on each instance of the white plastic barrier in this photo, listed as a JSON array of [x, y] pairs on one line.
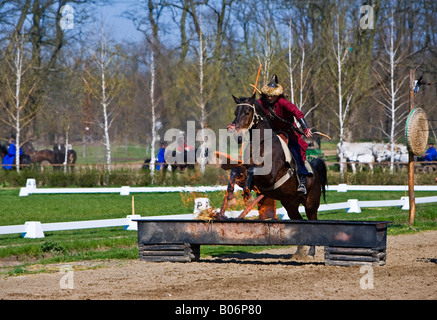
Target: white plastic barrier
[[31, 188], [36, 229]]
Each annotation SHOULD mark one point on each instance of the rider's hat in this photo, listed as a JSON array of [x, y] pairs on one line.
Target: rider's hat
[[273, 88]]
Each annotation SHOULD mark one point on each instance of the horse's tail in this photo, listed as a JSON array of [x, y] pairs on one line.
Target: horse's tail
[[320, 166]]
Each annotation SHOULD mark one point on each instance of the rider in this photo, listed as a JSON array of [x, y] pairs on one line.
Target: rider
[[160, 157], [282, 114], [8, 159]]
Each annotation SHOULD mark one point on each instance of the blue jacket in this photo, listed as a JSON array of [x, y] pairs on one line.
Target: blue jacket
[[431, 154], [10, 157], [160, 158]]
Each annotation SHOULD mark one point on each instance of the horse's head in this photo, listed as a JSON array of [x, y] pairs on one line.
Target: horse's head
[[246, 115]]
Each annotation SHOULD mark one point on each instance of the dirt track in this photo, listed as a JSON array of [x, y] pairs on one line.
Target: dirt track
[[410, 273]]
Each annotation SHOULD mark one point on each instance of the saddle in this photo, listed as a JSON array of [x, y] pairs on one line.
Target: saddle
[[289, 160]]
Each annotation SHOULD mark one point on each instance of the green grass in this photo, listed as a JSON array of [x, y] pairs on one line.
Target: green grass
[[116, 243]]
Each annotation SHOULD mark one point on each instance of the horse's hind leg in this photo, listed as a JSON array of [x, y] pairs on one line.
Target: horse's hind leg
[[293, 214]]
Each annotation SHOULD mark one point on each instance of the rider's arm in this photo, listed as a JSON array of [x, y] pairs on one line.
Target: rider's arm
[[300, 117]]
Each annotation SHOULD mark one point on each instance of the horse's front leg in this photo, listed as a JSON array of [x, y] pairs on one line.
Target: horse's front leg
[[248, 187], [237, 175]]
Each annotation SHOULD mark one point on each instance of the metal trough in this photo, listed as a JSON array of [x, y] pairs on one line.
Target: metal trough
[[345, 242]]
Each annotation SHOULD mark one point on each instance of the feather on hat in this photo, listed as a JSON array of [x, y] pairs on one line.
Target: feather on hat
[[273, 88]]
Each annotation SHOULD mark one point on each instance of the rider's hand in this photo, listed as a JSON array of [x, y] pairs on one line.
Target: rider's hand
[[308, 133], [231, 127]]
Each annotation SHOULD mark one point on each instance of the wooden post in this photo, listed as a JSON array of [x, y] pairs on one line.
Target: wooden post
[[133, 205], [411, 160]]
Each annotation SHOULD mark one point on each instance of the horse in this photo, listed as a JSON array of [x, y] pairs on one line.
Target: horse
[[37, 157], [250, 115], [24, 158], [59, 153], [51, 156]]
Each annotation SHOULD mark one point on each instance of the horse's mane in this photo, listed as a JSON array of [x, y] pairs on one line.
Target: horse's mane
[[262, 112]]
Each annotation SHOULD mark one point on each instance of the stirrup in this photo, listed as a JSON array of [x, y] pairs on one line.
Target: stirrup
[[301, 189]]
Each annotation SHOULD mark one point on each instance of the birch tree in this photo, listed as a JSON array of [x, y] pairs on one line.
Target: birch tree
[[290, 59], [389, 98], [153, 107], [345, 85], [201, 79], [304, 64], [16, 96], [201, 97], [104, 85]]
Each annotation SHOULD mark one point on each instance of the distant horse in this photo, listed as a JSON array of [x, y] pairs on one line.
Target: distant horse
[[24, 158], [60, 158], [52, 157], [37, 157], [250, 115]]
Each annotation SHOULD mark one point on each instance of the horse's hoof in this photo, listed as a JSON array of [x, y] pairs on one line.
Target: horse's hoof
[[303, 253]]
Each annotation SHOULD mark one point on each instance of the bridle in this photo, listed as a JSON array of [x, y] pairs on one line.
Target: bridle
[[256, 118]]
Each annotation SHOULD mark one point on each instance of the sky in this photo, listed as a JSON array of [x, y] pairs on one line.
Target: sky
[[121, 28]]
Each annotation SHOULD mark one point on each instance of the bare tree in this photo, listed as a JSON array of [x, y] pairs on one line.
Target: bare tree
[[104, 86], [16, 99], [345, 86], [389, 98], [153, 107]]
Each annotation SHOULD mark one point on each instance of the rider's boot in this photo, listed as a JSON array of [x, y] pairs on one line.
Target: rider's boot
[[301, 189]]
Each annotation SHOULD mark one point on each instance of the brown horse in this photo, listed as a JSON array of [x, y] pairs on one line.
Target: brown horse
[[249, 115], [42, 155], [39, 156], [53, 157]]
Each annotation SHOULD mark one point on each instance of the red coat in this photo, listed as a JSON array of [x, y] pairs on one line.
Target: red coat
[[287, 111]]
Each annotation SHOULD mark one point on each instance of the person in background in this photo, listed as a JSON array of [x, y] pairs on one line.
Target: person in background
[[9, 159], [160, 157], [431, 153]]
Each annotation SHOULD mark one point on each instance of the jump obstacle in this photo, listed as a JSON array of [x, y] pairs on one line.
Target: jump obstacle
[[347, 243]]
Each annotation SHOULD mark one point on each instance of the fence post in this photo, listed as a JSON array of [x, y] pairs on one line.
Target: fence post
[[33, 230], [354, 206], [342, 187], [132, 225], [125, 191], [406, 205]]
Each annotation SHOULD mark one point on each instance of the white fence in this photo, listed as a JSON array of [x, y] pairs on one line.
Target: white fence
[[125, 191], [36, 229]]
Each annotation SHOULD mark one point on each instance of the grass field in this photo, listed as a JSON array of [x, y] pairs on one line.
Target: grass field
[[115, 243]]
